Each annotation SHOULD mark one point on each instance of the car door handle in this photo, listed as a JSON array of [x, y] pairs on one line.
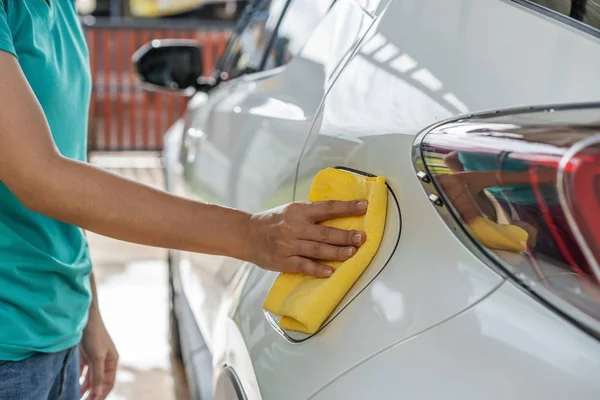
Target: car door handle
[[191, 142], [193, 137]]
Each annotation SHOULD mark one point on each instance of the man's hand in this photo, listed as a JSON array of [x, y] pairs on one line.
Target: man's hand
[[289, 239], [99, 355]]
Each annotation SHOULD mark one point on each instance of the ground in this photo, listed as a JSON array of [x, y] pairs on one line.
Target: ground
[[133, 296]]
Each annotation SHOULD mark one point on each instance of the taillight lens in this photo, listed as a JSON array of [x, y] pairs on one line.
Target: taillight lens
[[525, 187]]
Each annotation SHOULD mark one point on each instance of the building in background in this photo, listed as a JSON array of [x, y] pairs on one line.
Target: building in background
[[162, 8]]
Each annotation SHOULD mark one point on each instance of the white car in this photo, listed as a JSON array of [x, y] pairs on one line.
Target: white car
[[481, 116]]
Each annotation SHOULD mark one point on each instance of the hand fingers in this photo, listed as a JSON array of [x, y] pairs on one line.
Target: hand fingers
[[97, 381], [339, 237], [322, 251], [110, 373], [84, 376], [83, 362], [308, 267], [85, 385], [324, 210]]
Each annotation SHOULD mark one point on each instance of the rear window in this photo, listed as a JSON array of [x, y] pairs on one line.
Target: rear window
[[298, 23], [585, 11]]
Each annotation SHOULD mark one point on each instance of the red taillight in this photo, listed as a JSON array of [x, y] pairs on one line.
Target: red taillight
[[579, 184], [526, 188]]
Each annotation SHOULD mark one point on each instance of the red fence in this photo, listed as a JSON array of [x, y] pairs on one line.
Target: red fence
[[123, 116]]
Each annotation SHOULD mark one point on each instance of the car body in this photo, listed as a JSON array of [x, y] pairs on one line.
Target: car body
[[357, 84]]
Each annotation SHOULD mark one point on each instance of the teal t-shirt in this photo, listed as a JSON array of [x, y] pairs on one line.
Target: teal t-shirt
[[44, 263]]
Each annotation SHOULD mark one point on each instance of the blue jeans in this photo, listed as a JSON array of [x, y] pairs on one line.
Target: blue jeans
[[53, 376]]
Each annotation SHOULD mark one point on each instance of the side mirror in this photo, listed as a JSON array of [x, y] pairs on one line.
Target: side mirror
[[174, 65]]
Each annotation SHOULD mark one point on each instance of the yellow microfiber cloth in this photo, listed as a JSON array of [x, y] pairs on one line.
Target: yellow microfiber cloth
[[304, 302], [499, 236]]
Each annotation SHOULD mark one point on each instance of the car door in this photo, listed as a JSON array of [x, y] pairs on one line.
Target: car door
[[206, 153], [267, 169], [205, 164], [247, 133], [243, 140], [257, 117], [207, 156]]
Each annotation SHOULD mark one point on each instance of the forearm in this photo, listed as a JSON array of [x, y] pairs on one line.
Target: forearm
[[82, 195], [101, 202]]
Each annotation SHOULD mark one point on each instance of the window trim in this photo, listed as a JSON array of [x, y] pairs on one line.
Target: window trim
[[239, 32], [240, 27], [276, 32], [229, 371], [271, 43], [560, 17]]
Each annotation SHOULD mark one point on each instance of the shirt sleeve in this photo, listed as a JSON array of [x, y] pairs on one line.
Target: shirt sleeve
[[6, 40]]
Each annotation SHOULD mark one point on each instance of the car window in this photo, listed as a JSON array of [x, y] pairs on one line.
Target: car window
[[300, 19], [247, 48], [586, 11]]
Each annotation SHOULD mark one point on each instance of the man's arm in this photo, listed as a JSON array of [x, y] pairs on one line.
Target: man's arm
[[285, 239]]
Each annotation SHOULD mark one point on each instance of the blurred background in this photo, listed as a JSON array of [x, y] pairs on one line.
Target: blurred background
[[125, 136], [159, 8], [123, 116]]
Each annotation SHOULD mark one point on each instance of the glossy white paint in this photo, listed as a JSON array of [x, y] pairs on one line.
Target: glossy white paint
[[372, 7], [420, 61], [505, 347], [250, 131], [241, 148]]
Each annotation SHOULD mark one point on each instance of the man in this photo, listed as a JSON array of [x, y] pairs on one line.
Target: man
[[48, 194]]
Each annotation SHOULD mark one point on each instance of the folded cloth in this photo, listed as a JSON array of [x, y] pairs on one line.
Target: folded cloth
[[304, 302], [499, 236]]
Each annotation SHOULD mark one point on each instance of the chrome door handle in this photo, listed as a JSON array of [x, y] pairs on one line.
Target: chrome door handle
[[192, 137], [191, 142]]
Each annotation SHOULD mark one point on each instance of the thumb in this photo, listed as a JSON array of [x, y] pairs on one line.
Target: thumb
[[97, 370]]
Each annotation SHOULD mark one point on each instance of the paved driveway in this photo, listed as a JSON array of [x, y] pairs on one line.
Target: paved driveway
[[133, 296]]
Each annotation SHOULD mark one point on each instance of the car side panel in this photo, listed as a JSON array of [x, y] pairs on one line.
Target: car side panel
[[244, 142], [240, 150], [505, 347], [424, 61]]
